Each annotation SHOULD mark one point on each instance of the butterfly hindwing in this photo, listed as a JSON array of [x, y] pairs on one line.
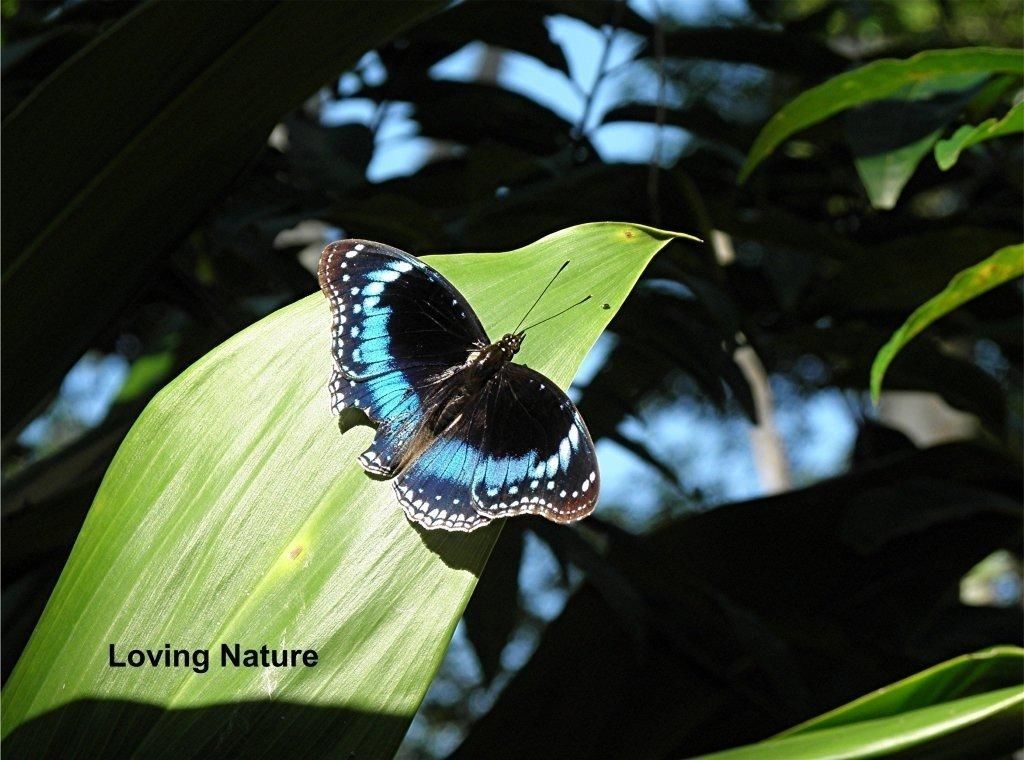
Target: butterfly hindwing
[[536, 453], [396, 325], [435, 492]]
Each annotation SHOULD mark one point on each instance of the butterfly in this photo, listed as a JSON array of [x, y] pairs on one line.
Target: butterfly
[[466, 434]]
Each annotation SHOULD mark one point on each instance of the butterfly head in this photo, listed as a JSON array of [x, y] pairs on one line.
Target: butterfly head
[[510, 343]]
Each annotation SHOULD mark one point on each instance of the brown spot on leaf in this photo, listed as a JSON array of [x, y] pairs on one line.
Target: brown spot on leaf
[[294, 553]]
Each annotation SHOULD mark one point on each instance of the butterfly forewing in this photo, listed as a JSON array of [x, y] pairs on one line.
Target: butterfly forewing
[[397, 324]]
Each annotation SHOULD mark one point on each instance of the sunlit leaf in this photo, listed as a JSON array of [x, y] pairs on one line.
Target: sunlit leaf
[[235, 512], [948, 151], [874, 81], [1002, 266]]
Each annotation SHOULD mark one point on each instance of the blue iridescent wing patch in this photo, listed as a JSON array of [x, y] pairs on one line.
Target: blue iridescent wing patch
[[396, 325], [466, 434], [433, 490]]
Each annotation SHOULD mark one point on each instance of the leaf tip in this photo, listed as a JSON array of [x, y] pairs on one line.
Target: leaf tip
[[629, 232]]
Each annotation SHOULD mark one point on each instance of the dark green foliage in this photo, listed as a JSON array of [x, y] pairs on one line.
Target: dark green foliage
[[759, 615], [143, 217]]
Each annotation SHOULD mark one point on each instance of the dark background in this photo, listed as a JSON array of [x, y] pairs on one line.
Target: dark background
[[733, 581]]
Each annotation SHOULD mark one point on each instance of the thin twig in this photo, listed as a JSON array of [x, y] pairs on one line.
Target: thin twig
[[378, 117], [602, 72]]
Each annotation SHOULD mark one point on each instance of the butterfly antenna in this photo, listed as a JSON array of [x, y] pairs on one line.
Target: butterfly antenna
[[547, 319], [539, 297]]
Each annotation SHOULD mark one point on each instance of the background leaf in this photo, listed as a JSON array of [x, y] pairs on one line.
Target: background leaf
[[873, 81], [890, 137], [1002, 266], [948, 151], [234, 511], [972, 704]]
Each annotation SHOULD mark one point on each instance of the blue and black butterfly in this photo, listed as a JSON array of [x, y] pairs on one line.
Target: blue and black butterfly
[[466, 434]]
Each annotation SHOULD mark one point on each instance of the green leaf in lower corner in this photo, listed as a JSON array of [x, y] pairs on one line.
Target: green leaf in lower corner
[[948, 151], [1002, 266], [235, 512], [970, 706], [874, 81]]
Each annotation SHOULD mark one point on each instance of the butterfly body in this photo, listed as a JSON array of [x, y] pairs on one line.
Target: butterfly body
[[467, 434]]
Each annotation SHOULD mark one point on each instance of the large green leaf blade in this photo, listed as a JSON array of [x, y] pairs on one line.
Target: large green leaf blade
[[932, 711], [235, 512], [874, 81], [1002, 266]]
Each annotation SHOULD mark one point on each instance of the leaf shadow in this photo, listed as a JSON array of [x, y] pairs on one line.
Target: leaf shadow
[[89, 728]]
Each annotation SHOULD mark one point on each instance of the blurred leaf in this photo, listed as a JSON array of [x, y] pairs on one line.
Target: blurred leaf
[[972, 704], [697, 119], [590, 192], [890, 137], [518, 27], [762, 47], [398, 218], [146, 372], [602, 13], [848, 350], [882, 516], [885, 175], [41, 36], [334, 157], [870, 280], [234, 512], [1002, 266], [873, 81], [948, 151], [644, 454], [91, 222], [997, 89], [485, 112], [876, 441]]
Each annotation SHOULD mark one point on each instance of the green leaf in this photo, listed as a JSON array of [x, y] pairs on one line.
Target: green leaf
[[932, 711], [87, 225], [1002, 266], [874, 81], [948, 151], [236, 512], [890, 137], [885, 175]]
